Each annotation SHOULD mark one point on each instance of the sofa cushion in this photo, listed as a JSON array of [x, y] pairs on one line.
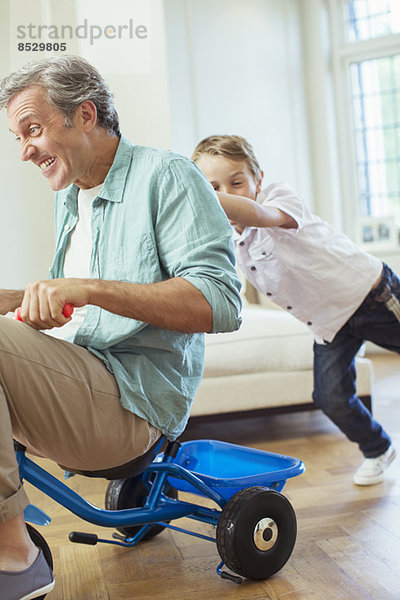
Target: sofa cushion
[[265, 390], [268, 340]]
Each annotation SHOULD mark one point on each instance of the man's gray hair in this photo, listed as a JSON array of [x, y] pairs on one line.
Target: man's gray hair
[[68, 81]]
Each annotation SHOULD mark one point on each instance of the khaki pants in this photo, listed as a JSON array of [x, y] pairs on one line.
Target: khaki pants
[[62, 403]]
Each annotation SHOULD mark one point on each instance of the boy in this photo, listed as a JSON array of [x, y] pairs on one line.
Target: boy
[[344, 295]]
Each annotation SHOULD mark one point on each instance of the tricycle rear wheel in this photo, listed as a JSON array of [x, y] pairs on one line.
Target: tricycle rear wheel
[[256, 532], [132, 493]]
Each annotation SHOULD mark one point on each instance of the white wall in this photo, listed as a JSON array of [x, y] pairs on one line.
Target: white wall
[[141, 98], [236, 67], [317, 71]]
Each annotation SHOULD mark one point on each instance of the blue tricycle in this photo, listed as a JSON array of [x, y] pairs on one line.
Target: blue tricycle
[[255, 524]]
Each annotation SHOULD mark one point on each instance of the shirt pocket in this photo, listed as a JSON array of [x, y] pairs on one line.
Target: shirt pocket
[[263, 267], [262, 249]]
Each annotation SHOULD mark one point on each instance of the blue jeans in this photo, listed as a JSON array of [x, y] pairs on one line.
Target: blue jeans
[[335, 372]]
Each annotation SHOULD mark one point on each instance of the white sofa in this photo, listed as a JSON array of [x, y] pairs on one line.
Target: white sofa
[[266, 364]]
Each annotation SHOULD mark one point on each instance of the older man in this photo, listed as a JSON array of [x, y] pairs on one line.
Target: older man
[[146, 272]]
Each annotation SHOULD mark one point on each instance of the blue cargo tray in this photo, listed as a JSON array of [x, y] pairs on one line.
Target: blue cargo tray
[[228, 468]]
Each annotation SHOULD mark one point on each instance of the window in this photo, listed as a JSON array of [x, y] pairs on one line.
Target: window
[[366, 52], [376, 117], [368, 19]]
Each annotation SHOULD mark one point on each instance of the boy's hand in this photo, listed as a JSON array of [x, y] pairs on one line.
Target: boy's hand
[[239, 228]]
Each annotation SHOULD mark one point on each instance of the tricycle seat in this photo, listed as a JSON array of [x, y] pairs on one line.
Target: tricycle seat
[[130, 469]]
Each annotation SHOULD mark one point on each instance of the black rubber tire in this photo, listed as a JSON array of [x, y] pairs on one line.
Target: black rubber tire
[[40, 542], [131, 493], [236, 526]]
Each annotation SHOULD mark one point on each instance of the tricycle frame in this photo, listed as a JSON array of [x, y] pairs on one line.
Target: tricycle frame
[[158, 508]]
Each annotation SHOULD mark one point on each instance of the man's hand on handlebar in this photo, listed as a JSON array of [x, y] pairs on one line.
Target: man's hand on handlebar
[[43, 304]]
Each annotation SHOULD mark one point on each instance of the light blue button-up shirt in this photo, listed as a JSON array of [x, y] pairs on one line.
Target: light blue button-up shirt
[[156, 217]]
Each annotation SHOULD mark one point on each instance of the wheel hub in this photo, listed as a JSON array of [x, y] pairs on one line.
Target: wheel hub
[[265, 534]]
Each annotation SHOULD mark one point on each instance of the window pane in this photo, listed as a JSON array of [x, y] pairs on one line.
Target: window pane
[[376, 109], [368, 19]]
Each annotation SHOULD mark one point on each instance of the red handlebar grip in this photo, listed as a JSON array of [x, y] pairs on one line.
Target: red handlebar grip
[[67, 311], [17, 314]]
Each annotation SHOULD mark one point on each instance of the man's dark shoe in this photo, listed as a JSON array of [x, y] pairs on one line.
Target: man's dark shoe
[[34, 582]]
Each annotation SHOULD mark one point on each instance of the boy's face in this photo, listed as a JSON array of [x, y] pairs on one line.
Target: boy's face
[[229, 176]]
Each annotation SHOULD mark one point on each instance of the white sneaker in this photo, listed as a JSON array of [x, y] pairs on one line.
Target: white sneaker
[[372, 470]]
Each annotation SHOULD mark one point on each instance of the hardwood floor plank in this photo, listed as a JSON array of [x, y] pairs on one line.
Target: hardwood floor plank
[[380, 581], [82, 576], [323, 578], [184, 585]]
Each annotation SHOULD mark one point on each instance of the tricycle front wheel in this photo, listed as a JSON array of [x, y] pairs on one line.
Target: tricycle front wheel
[[256, 532]]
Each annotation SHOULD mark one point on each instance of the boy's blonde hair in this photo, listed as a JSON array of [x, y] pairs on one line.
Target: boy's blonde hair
[[233, 147]]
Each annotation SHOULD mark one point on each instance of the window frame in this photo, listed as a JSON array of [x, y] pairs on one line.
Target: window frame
[[343, 53]]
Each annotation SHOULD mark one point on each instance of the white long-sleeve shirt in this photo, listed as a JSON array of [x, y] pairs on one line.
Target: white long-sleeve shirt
[[315, 272]]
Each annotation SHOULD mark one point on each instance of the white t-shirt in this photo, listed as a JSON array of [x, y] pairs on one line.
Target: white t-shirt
[[314, 272], [77, 258]]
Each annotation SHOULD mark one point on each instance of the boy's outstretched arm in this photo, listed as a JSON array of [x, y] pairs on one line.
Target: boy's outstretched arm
[[249, 213]]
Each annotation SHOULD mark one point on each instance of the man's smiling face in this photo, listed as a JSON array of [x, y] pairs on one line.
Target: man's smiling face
[[57, 150]]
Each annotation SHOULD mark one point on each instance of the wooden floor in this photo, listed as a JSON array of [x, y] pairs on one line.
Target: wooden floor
[[348, 545]]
